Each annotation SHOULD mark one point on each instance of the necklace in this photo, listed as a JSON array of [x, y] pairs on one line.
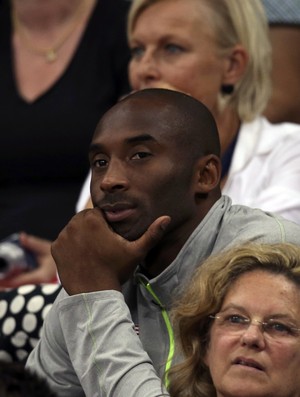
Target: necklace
[[51, 53]]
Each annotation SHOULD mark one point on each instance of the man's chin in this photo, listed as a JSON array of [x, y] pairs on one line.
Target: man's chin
[[128, 233]]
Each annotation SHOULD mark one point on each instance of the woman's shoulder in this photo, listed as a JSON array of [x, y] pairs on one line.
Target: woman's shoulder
[[260, 137], [263, 130]]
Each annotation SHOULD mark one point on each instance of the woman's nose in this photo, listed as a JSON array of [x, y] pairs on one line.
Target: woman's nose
[[144, 70], [253, 336]]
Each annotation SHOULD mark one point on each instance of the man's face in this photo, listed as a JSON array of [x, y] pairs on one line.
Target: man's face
[[140, 172]]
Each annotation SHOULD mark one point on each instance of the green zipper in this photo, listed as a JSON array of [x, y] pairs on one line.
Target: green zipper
[[169, 329]]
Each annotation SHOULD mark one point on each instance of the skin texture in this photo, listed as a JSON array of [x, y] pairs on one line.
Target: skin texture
[[135, 159], [43, 25], [173, 46], [285, 100], [158, 55], [279, 359]]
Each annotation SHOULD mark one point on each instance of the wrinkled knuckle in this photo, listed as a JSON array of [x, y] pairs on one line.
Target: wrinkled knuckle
[[91, 219], [53, 248]]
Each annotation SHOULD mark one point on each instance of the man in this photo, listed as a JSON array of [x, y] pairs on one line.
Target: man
[[158, 212]]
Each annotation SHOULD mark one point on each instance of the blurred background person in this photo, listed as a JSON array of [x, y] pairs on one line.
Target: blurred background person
[[284, 23], [63, 63], [220, 53]]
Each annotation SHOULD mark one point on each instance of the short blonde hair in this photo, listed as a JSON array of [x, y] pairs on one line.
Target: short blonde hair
[[235, 22], [205, 296]]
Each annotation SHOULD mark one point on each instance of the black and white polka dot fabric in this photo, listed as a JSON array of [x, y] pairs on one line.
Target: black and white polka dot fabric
[[22, 313]]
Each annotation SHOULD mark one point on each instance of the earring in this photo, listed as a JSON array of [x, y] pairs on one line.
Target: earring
[[227, 89]]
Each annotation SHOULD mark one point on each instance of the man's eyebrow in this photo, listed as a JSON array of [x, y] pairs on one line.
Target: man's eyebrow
[[140, 138], [96, 147]]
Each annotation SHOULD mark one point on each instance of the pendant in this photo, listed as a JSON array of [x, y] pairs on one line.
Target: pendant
[[51, 55]]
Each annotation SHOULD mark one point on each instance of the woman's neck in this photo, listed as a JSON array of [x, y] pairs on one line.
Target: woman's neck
[[228, 124], [40, 15], [45, 36], [46, 27]]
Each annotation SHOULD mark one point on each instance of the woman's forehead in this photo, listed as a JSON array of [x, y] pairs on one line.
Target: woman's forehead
[[264, 290]]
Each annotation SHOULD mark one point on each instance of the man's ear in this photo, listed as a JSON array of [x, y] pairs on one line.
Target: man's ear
[[208, 174]]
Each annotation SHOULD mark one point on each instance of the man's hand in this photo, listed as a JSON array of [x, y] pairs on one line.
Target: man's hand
[[90, 256]]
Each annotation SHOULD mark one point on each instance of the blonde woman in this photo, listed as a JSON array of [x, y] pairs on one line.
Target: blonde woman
[[239, 325], [219, 52]]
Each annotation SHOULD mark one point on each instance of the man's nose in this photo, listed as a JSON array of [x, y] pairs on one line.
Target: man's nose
[[114, 178]]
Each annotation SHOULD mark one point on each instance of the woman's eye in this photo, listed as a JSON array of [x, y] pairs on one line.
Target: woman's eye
[[236, 319], [137, 51], [279, 327], [173, 48]]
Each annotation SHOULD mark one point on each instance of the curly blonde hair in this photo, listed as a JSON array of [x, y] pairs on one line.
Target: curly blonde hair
[[205, 295]]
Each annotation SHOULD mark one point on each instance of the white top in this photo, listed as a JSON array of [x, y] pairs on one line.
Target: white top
[[84, 194], [265, 169]]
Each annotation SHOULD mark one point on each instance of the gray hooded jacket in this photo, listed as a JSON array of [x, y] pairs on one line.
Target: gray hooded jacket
[[95, 345]]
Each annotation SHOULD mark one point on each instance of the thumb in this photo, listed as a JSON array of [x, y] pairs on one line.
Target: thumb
[[152, 236]]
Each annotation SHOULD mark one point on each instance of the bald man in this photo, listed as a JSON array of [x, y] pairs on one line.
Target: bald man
[[158, 212]]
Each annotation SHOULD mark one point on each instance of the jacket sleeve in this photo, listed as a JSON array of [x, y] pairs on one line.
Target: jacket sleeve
[[103, 353], [50, 358]]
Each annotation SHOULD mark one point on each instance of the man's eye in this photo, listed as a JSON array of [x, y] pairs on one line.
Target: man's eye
[[140, 155], [100, 163]]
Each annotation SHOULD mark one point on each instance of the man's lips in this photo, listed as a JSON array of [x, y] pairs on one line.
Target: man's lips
[[247, 362], [117, 212]]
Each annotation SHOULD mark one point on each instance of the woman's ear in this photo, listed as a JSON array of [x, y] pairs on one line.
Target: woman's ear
[[208, 174], [235, 65]]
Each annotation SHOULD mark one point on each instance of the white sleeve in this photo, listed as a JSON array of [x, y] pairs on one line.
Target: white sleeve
[[84, 194], [265, 169]]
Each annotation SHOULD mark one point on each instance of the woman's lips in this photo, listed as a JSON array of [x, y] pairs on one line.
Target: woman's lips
[[248, 363]]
